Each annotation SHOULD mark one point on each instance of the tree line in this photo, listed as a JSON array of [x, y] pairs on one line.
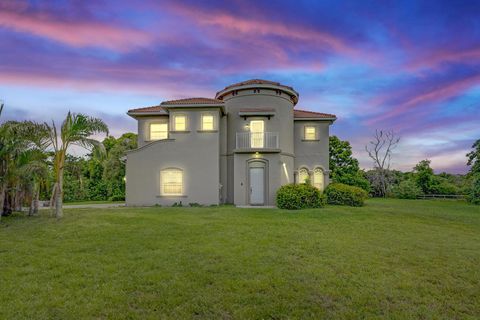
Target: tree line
[[35, 163], [382, 181]]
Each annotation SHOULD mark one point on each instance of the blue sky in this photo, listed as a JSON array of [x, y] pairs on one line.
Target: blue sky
[[408, 66]]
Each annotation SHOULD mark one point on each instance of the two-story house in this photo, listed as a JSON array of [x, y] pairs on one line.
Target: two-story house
[[237, 148]]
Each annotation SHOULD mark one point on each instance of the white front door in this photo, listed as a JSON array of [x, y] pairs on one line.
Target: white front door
[[257, 188], [256, 133]]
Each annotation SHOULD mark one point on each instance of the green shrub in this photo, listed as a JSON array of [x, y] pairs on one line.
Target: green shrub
[[299, 196], [342, 194], [117, 197], [407, 189], [356, 180], [474, 194], [177, 204]]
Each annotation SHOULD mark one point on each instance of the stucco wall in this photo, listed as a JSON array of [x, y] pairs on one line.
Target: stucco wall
[[276, 175], [311, 154], [196, 153], [281, 122]]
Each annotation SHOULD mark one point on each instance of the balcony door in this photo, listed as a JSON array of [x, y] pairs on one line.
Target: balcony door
[[257, 133]]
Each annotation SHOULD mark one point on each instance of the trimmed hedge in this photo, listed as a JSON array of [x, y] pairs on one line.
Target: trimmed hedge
[[342, 194], [299, 196]]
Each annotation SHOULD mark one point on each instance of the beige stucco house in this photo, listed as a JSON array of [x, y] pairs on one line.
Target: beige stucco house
[[237, 148]]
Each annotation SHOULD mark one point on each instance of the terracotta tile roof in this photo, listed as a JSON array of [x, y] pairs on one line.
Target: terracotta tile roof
[[193, 101], [311, 114], [256, 110], [257, 81], [148, 110]]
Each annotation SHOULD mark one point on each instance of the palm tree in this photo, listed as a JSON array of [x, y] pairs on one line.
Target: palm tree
[[76, 129]]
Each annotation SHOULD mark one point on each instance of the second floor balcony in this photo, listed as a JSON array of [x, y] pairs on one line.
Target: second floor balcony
[[257, 140]]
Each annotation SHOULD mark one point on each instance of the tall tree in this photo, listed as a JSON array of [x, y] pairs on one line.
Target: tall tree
[[76, 129], [474, 158], [380, 150], [344, 167], [341, 158], [424, 177]]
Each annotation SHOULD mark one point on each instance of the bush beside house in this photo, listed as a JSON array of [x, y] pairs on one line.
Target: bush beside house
[[299, 196], [342, 194]]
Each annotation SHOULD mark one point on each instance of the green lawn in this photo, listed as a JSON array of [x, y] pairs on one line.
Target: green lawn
[[392, 259]]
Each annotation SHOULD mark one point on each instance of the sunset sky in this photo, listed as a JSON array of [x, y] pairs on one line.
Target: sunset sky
[[408, 66]]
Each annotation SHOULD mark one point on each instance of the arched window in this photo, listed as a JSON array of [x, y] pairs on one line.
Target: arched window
[[171, 182], [302, 175], [318, 179]]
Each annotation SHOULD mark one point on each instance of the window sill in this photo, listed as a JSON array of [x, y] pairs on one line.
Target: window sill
[[207, 131], [183, 131], [312, 140], [172, 196]]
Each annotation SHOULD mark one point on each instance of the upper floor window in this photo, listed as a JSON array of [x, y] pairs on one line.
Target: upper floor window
[[303, 175], [208, 122], [257, 133], [158, 131], [180, 122], [310, 133], [318, 180], [171, 182]]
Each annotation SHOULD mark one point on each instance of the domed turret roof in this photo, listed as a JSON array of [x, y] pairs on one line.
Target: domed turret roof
[[258, 83]]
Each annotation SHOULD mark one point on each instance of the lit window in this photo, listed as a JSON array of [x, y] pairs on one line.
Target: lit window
[[310, 133], [318, 179], [158, 131], [171, 181], [257, 133], [180, 123], [302, 175], [207, 122]]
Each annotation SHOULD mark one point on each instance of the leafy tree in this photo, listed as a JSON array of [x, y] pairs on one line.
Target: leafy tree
[[76, 129], [474, 195], [344, 167], [424, 176], [342, 161], [21, 151], [474, 158]]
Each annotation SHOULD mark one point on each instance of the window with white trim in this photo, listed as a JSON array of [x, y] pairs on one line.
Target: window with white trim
[[180, 122], [158, 131], [171, 182], [318, 179], [208, 122], [310, 133], [303, 175]]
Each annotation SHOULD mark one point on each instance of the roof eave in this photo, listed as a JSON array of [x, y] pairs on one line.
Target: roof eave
[[134, 114], [315, 119], [197, 105], [290, 91]]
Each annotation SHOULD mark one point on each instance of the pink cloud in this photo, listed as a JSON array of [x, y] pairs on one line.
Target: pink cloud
[[73, 33], [436, 95], [439, 57], [229, 25]]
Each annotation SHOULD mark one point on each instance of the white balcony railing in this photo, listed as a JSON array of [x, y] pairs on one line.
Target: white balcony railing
[[257, 140]]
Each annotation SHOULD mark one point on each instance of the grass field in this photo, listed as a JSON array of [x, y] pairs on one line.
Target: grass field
[[394, 259]]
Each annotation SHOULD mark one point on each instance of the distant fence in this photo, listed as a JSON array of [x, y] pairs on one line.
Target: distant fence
[[443, 196]]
